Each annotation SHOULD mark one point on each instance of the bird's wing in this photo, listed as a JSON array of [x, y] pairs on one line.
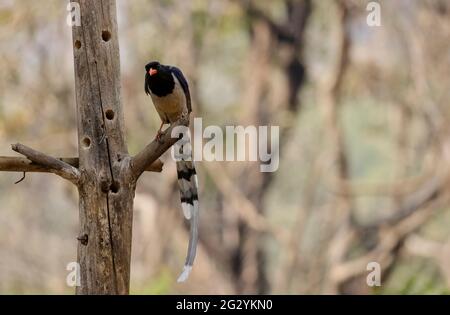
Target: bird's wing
[[184, 85]]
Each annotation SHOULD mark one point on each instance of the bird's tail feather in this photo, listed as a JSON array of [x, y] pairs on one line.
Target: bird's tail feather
[[188, 184]]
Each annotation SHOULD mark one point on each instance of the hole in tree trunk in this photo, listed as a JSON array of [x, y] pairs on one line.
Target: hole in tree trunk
[[77, 44], [86, 142], [115, 187], [106, 36], [109, 114], [83, 239]]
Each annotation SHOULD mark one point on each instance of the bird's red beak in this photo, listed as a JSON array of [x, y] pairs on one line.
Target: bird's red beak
[[152, 71]]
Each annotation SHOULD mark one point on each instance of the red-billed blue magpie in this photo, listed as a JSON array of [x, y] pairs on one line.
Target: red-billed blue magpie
[[169, 91]]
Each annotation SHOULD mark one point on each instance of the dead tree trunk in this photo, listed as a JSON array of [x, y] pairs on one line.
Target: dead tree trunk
[[104, 173], [106, 189]]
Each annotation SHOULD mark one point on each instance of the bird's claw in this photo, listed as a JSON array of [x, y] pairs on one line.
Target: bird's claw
[[158, 137]]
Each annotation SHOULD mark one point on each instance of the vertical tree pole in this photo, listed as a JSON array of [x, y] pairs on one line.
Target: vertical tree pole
[[104, 173], [106, 191]]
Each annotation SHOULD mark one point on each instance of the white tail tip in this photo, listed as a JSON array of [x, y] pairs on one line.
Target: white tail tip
[[187, 210], [185, 274]]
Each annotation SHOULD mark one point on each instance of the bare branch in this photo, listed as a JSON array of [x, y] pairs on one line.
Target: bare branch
[[20, 164], [54, 165], [292, 30], [244, 207], [415, 201], [390, 239], [141, 161]]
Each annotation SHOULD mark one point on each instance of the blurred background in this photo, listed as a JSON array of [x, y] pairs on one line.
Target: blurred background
[[364, 145]]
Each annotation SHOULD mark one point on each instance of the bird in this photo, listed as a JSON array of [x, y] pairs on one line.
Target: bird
[[169, 91]]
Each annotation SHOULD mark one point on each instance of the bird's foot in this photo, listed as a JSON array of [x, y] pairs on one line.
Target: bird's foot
[[160, 133], [159, 136]]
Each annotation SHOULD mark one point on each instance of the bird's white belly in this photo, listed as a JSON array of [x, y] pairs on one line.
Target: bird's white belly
[[172, 106]]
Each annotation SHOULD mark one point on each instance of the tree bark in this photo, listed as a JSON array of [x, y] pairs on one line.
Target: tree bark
[[106, 188]]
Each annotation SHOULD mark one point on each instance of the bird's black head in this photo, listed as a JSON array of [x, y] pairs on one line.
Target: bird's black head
[[158, 79], [155, 65]]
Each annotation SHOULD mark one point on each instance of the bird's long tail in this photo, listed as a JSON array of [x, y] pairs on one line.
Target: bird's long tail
[[188, 184]]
